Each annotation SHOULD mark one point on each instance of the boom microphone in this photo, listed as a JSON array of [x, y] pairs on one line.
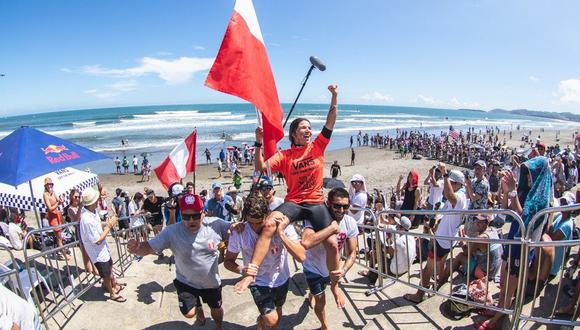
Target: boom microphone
[[316, 62]]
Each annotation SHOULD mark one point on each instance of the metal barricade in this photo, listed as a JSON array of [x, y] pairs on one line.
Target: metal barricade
[[534, 241], [124, 258], [10, 275], [406, 278], [57, 282]]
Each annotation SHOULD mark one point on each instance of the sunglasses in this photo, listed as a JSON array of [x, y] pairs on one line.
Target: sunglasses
[[356, 182], [341, 206], [189, 217], [76, 197], [266, 188]]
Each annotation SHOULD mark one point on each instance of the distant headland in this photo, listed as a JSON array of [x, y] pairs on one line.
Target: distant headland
[[534, 113]]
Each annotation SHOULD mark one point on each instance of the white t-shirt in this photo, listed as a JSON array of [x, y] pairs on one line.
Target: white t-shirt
[[15, 310], [316, 256], [359, 200], [14, 232], [135, 161], [276, 202], [449, 224], [405, 254], [274, 270], [91, 231], [435, 193], [135, 221]]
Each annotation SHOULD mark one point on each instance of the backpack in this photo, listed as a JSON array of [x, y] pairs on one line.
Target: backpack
[[455, 310]]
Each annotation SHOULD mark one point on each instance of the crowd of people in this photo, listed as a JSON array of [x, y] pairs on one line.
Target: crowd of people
[[202, 230]]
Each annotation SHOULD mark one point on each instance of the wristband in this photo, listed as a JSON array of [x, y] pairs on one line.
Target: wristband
[[513, 194], [257, 145]]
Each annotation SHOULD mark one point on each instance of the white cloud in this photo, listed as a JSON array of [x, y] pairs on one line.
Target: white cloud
[[114, 89], [174, 72], [569, 91], [376, 97], [274, 44], [197, 47], [534, 78], [454, 102]]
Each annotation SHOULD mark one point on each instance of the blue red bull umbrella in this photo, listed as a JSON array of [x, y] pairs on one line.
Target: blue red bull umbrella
[[28, 153]]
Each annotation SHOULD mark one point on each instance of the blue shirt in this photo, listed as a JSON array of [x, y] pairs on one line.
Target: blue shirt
[[218, 207], [177, 215], [566, 227]]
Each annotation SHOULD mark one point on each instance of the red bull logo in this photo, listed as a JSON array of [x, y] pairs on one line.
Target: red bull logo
[[60, 151], [52, 149]]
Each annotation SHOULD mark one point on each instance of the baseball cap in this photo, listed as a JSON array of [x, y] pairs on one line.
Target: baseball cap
[[191, 202], [481, 163], [216, 185], [150, 192], [404, 222], [567, 198], [232, 190], [265, 181], [541, 144], [456, 176], [176, 189], [47, 180]]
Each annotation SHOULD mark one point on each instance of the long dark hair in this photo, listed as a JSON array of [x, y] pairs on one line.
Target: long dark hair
[[294, 127]]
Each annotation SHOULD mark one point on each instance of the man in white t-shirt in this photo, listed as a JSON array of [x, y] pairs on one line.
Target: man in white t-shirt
[[400, 248], [448, 226], [135, 164], [94, 241], [435, 182], [272, 278], [16, 235], [315, 270], [358, 197]]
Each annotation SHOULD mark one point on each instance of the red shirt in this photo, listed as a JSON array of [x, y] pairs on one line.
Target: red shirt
[[303, 169]]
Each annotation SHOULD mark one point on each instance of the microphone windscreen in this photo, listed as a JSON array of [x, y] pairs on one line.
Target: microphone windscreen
[[317, 63]]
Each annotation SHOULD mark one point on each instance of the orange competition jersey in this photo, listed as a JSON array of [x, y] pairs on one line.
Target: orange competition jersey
[[303, 169]]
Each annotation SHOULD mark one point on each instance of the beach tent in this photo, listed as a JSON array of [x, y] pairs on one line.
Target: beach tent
[[65, 180], [28, 153]]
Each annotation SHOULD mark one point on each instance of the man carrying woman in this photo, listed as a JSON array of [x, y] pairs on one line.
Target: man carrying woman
[[303, 167]]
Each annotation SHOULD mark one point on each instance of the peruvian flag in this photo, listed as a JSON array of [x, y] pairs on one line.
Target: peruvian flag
[[242, 68], [181, 160]]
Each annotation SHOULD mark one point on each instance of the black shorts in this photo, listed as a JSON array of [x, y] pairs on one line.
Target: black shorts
[[441, 252], [104, 268], [268, 299], [318, 214], [190, 297]]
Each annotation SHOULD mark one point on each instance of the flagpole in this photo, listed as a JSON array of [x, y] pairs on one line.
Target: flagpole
[[194, 158]]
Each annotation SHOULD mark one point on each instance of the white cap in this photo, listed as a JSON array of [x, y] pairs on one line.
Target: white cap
[[456, 176]]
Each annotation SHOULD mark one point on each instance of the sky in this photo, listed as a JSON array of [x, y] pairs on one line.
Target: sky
[[64, 55]]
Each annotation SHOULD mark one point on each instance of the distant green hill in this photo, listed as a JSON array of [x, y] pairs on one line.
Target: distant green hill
[[544, 114]]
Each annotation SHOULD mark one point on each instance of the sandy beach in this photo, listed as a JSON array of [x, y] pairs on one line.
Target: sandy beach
[[381, 168]]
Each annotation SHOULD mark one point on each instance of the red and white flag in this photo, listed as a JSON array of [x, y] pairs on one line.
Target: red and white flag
[[181, 160], [242, 68], [454, 134]]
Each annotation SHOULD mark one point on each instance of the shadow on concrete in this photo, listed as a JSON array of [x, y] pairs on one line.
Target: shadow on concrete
[[290, 321], [145, 292], [95, 294], [170, 325]]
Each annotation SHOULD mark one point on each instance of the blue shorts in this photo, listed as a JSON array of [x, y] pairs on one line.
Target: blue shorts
[[268, 299], [316, 283]]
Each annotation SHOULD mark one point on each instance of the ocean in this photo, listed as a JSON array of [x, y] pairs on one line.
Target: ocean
[[157, 129]]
